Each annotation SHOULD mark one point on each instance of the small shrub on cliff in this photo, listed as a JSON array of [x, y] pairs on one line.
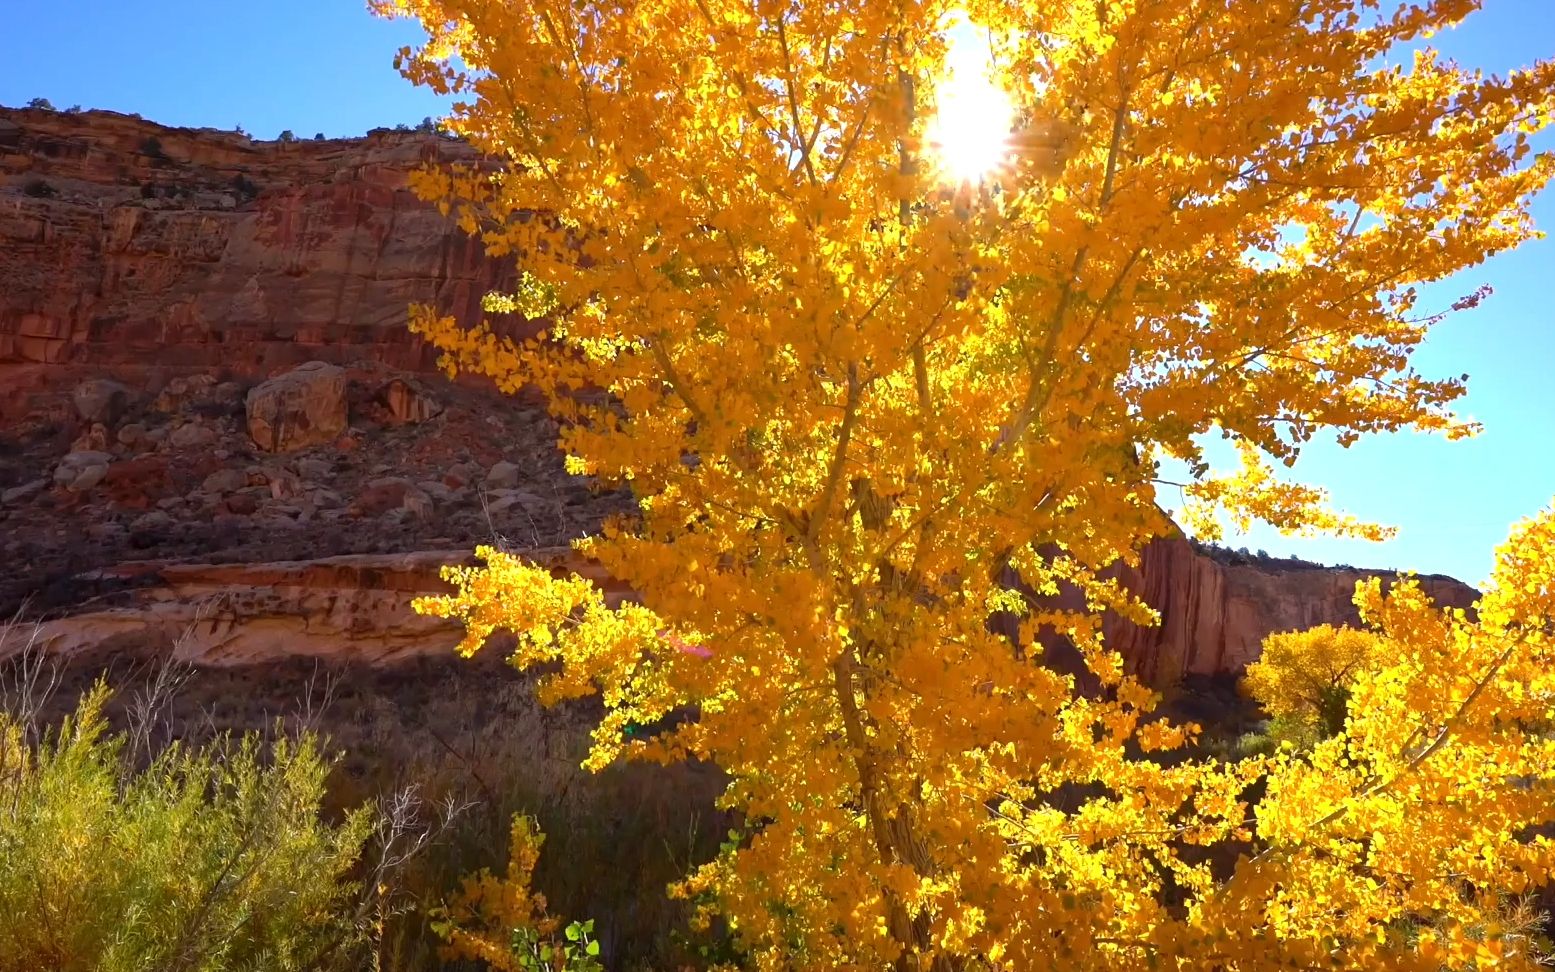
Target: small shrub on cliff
[[212, 858], [244, 186], [39, 189], [43, 103]]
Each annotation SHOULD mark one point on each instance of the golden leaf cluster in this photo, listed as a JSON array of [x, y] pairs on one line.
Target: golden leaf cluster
[[862, 410]]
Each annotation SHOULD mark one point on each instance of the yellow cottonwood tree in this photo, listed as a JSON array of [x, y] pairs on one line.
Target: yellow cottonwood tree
[[1306, 676], [856, 385]]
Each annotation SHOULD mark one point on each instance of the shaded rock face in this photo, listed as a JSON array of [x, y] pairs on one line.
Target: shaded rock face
[[131, 246], [180, 478], [1215, 610]]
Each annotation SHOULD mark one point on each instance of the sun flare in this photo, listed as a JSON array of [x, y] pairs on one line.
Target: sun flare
[[970, 132]]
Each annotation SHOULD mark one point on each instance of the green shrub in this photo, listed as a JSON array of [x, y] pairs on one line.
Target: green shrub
[[207, 859], [1283, 731]]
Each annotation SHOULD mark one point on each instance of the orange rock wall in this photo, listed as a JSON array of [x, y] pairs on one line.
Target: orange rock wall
[[129, 245], [1214, 616]]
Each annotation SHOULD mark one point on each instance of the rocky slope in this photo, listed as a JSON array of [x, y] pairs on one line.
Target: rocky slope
[[168, 474]]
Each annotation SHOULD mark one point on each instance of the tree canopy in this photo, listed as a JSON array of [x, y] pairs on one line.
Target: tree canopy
[[855, 390]]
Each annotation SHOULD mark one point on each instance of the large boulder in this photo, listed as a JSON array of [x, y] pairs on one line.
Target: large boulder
[[81, 471], [99, 400], [503, 475], [302, 407]]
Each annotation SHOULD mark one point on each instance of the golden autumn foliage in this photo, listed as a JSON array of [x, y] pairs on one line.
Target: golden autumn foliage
[[482, 918], [502, 922], [853, 391], [1306, 675]]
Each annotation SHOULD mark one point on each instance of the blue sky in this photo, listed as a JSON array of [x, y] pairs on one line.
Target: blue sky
[[305, 65], [326, 66]]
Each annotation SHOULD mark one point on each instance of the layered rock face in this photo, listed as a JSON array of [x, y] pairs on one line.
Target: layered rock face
[[129, 246], [354, 609]]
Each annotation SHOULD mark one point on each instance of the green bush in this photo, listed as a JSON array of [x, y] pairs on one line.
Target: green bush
[[1275, 734], [205, 859]]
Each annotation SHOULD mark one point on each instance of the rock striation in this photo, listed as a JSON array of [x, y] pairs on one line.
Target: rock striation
[[1215, 614], [357, 609], [347, 609], [130, 246]]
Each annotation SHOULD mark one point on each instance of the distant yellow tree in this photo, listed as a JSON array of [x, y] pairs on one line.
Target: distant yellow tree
[[1306, 676], [873, 303]]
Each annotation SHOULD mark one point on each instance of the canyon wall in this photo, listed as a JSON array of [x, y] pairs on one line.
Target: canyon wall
[[1215, 611], [192, 264], [357, 608], [129, 245]]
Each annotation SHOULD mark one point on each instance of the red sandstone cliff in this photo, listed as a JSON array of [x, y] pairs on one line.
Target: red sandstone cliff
[[1214, 615], [127, 244]]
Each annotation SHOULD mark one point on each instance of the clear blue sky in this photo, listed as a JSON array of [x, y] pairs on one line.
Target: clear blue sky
[[305, 65], [326, 66]]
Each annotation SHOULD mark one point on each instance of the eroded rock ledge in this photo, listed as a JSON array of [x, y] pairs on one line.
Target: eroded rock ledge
[[357, 609], [348, 609]]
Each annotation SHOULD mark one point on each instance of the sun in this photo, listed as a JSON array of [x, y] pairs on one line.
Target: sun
[[970, 132]]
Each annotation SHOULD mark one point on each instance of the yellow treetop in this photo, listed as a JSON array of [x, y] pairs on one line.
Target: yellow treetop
[[854, 386], [1306, 675]]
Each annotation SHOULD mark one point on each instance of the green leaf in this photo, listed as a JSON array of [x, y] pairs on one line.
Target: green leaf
[[573, 933], [593, 948]]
